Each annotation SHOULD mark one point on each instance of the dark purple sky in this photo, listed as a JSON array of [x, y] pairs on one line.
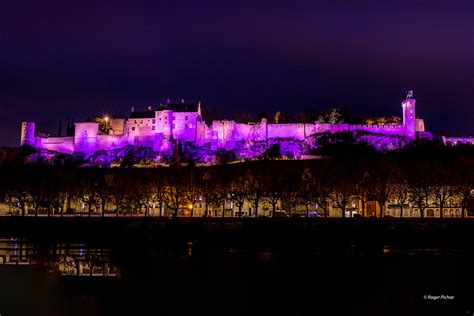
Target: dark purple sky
[[85, 58]]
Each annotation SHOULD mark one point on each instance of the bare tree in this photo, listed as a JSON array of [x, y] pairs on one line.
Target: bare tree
[[238, 192], [381, 183], [16, 191], [322, 186], [400, 191], [443, 189], [363, 187], [421, 192], [192, 190], [343, 191], [255, 190], [223, 191], [175, 193], [464, 182], [273, 187], [342, 194], [159, 189]]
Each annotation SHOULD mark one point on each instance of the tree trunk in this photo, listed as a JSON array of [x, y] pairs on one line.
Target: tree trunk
[[382, 210], [401, 210], [67, 203], [240, 210], [441, 211], [362, 203], [223, 209], [103, 208]]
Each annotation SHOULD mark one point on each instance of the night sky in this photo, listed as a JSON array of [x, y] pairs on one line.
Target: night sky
[[81, 58]]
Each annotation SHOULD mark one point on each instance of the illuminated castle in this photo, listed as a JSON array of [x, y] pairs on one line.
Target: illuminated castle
[[170, 123]]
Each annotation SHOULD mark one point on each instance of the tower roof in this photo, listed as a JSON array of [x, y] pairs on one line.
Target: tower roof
[[142, 114], [180, 107]]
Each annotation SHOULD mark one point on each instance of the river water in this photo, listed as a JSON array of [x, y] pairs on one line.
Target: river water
[[77, 278]]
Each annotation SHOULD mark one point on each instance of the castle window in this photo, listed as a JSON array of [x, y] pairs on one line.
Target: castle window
[[154, 121], [186, 118], [133, 128], [141, 121], [160, 118], [135, 121]]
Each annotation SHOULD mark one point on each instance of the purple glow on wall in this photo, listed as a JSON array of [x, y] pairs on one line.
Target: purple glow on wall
[[162, 130]]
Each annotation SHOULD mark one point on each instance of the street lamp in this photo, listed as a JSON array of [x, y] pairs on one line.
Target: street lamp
[[106, 119]]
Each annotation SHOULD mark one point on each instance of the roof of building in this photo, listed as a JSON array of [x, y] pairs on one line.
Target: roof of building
[[142, 114], [180, 107]]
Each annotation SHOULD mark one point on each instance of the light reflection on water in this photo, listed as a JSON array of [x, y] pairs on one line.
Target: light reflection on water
[[66, 259], [389, 251]]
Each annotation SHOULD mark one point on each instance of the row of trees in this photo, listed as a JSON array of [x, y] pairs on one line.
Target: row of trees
[[336, 183]]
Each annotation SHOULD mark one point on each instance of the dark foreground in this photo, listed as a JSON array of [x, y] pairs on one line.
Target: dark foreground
[[256, 267]]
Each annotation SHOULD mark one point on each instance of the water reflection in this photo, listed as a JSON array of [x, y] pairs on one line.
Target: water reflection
[[15, 251], [253, 275], [66, 259], [389, 251]]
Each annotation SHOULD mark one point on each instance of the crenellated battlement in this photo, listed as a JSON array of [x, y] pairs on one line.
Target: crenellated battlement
[[183, 122]]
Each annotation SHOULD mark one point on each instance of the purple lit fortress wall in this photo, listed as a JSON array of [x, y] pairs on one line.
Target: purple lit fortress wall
[[458, 140], [163, 127]]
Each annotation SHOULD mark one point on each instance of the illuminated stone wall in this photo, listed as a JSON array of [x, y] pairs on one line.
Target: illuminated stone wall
[[292, 131], [108, 142], [85, 137], [27, 134], [59, 144], [162, 128], [409, 120], [184, 126], [453, 141]]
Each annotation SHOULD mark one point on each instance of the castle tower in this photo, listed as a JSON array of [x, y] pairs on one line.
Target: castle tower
[[409, 120], [199, 112], [85, 136], [166, 122], [27, 133]]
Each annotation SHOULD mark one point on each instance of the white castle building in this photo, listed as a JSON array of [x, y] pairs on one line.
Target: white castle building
[[171, 122]]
